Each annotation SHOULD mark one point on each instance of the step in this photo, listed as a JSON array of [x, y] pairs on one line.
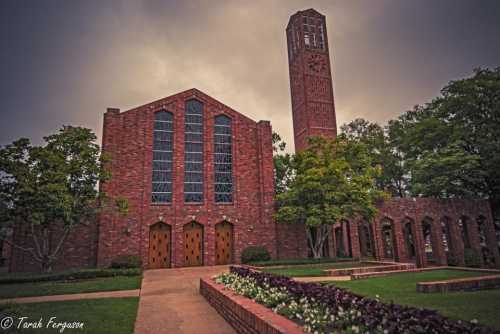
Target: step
[[371, 269]]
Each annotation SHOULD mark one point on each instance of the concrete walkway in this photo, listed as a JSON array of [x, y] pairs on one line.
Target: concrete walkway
[[170, 302], [74, 296]]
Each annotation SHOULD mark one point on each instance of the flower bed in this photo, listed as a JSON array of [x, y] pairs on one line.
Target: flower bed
[[327, 309]]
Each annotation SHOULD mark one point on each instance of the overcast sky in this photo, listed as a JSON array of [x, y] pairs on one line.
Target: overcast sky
[[65, 62]]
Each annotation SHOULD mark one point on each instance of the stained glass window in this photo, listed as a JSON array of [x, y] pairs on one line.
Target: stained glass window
[[193, 152], [163, 135], [223, 160]]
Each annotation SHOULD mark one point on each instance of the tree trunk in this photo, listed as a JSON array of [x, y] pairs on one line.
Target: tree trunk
[[316, 242]]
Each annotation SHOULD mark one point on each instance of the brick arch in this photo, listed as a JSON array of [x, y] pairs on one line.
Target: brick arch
[[488, 258], [409, 235], [366, 240], [389, 246]]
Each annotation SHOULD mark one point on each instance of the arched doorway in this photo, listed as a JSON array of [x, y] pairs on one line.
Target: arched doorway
[[408, 227], [223, 243], [464, 231], [428, 244], [488, 258], [388, 239], [193, 244], [448, 245], [160, 238], [365, 239]]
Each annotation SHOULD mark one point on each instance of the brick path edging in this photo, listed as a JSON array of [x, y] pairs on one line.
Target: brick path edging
[[245, 315], [460, 284]]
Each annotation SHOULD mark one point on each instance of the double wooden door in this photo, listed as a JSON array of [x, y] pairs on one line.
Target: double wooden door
[[159, 246], [193, 244], [223, 243]]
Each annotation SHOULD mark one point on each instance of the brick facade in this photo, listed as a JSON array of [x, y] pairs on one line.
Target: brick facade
[[128, 139]]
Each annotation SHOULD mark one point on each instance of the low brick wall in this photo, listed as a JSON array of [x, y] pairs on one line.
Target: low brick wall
[[382, 267], [245, 315], [460, 284]]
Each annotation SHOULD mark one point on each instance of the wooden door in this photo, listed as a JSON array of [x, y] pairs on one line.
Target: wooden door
[[159, 246], [193, 244], [223, 243]]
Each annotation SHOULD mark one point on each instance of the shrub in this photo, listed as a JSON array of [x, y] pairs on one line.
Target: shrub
[[126, 261], [254, 254], [69, 275], [471, 258]]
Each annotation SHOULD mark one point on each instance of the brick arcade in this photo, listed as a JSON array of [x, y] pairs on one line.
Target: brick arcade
[[199, 179]]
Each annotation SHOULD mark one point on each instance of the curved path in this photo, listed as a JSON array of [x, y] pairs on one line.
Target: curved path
[[170, 302]]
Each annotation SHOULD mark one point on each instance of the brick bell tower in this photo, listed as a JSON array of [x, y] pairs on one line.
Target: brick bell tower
[[313, 108]]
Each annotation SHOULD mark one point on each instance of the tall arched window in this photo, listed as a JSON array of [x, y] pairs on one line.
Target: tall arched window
[[193, 152], [223, 160], [163, 135]]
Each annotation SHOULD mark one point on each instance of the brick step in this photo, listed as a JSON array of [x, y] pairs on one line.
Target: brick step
[[460, 284], [372, 269], [383, 273]]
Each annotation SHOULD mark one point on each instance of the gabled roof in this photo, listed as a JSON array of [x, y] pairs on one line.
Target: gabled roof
[[186, 94]]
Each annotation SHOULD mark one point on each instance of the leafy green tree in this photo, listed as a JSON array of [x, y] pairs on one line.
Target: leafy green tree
[[452, 144], [334, 180], [383, 153], [283, 169], [49, 190]]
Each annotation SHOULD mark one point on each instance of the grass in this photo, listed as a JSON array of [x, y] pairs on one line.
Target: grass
[[68, 287], [99, 316], [313, 270], [285, 262], [401, 289]]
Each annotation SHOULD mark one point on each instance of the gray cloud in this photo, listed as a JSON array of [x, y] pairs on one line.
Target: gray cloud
[[65, 62]]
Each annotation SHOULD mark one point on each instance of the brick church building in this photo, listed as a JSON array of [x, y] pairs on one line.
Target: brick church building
[[199, 180]]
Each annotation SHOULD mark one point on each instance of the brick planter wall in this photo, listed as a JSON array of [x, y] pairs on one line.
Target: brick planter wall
[[460, 284], [245, 315], [374, 269]]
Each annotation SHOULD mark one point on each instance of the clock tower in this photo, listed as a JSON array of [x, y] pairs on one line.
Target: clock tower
[[313, 108]]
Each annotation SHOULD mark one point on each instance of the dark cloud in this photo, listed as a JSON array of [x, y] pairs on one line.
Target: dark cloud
[[66, 61]]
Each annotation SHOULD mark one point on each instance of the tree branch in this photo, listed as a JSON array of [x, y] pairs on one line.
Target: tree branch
[[24, 249]]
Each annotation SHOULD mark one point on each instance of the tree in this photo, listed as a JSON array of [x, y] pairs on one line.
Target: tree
[[452, 144], [283, 170], [383, 153], [334, 180], [49, 190]]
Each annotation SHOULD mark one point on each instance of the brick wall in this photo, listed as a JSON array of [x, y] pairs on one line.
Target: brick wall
[[243, 314]]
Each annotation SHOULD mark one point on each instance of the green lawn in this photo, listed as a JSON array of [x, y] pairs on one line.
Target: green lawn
[[401, 289], [106, 316], [67, 287], [313, 270]]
